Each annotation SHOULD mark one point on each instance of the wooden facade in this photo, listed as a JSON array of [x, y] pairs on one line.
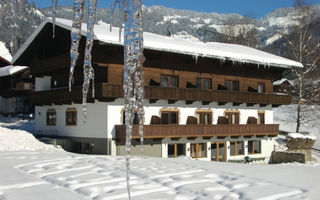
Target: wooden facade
[[109, 92]]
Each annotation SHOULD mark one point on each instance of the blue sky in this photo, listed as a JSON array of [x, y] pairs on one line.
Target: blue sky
[[251, 8]]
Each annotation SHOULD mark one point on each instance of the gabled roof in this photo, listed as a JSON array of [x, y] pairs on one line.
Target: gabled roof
[[4, 53], [279, 82], [11, 70], [152, 41]]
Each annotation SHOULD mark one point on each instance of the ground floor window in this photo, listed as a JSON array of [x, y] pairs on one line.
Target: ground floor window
[[89, 147], [198, 150], [175, 150], [254, 146], [51, 117], [77, 147], [236, 148]]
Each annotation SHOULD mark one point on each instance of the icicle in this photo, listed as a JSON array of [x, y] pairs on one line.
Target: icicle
[[88, 72], [54, 2], [195, 57], [75, 35], [133, 75], [121, 4]]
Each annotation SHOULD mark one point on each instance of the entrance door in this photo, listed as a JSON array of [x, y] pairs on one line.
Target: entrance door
[[218, 151]]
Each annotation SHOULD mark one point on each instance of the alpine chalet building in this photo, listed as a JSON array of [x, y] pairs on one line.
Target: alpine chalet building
[[209, 101]]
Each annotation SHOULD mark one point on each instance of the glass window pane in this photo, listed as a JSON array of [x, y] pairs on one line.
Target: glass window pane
[[193, 150], [228, 85], [202, 150], [198, 83], [250, 145], [206, 84], [257, 146], [232, 148], [164, 118], [181, 149], [235, 85], [170, 150], [173, 81], [240, 148], [164, 81], [174, 119]]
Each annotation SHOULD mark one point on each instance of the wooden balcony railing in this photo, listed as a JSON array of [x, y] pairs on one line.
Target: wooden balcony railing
[[107, 92], [178, 131]]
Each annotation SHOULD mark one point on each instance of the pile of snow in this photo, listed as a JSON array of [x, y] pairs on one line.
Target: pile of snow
[[18, 140], [280, 143], [4, 52], [301, 136]]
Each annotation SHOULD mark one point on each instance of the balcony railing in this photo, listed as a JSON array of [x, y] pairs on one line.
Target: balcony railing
[[107, 92], [178, 131]]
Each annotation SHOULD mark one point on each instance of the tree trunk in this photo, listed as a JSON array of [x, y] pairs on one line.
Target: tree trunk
[[299, 105]]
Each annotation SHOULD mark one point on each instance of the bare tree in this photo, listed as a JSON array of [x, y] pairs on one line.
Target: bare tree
[[304, 47]]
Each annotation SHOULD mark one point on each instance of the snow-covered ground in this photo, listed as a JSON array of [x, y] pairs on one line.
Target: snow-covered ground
[[31, 170], [286, 117]]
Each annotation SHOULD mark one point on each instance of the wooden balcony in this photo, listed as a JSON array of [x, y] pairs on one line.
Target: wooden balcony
[[108, 92], [178, 131]]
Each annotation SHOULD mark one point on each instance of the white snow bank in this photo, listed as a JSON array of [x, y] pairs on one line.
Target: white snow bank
[[4, 52], [11, 70], [18, 140], [301, 136], [158, 42]]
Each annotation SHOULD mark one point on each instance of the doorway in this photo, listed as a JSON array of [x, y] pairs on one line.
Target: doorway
[[218, 151]]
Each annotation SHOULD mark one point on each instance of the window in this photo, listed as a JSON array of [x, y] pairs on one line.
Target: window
[[175, 150], [204, 117], [169, 81], [198, 150], [236, 148], [254, 146], [232, 85], [261, 87], [233, 116], [204, 83], [135, 119], [169, 117], [51, 117], [261, 118], [71, 116]]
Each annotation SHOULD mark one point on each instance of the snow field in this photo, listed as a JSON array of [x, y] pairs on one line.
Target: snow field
[[32, 174]]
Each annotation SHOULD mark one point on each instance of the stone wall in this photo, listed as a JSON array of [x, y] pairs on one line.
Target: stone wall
[[278, 157]]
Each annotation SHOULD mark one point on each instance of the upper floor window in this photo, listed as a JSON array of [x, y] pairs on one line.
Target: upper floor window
[[233, 117], [261, 88], [261, 118], [169, 117], [51, 117], [169, 81], [204, 117], [71, 117], [204, 83], [232, 85]]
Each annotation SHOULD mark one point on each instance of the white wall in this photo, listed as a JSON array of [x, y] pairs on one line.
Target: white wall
[[43, 83], [95, 127]]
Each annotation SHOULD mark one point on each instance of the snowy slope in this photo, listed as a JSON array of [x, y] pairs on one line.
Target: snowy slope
[[4, 52]]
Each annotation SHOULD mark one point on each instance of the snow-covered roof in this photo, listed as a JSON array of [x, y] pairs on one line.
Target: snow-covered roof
[[153, 41], [301, 136], [279, 82], [4, 52], [11, 70]]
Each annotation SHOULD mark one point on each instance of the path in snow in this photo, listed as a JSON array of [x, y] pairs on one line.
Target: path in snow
[[62, 175]]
